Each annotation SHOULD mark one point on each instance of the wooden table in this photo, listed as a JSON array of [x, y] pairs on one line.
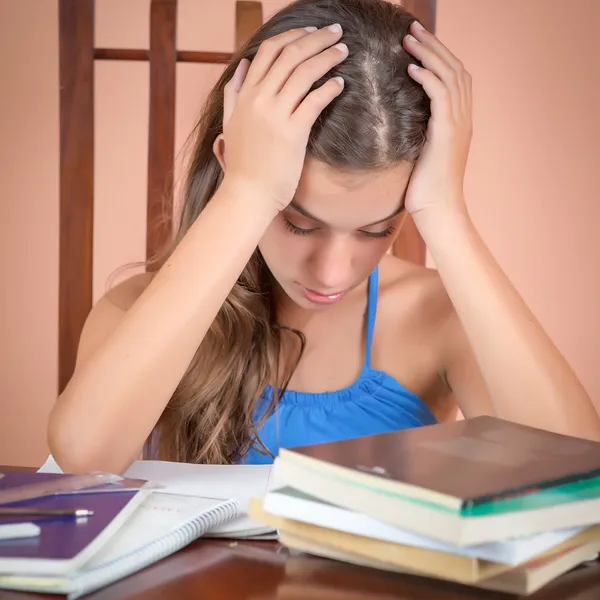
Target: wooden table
[[224, 570], [229, 570]]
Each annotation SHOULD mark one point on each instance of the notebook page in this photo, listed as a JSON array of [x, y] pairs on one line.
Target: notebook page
[[239, 482], [158, 515]]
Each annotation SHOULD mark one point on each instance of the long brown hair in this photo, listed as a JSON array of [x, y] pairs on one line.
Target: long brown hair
[[379, 120]]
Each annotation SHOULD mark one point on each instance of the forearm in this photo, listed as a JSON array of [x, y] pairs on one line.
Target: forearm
[[116, 397], [528, 379]]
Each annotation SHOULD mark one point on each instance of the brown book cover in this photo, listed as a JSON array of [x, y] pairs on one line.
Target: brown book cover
[[476, 460]]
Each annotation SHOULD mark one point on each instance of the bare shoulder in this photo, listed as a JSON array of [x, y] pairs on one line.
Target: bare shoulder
[[415, 317], [413, 291], [108, 312]]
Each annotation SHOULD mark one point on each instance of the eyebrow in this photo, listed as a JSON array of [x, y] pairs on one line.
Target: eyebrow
[[295, 206]]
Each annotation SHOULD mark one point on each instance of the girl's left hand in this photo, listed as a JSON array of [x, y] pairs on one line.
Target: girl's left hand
[[438, 177]]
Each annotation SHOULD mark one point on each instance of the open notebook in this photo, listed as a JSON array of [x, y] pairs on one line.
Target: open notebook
[[161, 525], [240, 482]]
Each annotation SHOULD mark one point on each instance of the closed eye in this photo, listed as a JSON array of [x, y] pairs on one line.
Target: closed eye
[[380, 234], [298, 230], [370, 234]]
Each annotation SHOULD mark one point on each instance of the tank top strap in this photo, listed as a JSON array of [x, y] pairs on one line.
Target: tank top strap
[[372, 311]]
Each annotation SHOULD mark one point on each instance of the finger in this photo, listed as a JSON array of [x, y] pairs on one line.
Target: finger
[[314, 104], [429, 39], [468, 106], [270, 50], [441, 69], [233, 87], [441, 106], [304, 77], [296, 53]]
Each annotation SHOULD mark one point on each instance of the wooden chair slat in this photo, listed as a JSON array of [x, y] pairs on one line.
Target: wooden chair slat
[[76, 187], [161, 136], [248, 18]]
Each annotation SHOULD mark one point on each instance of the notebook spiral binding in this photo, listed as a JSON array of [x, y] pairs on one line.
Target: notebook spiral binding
[[155, 551]]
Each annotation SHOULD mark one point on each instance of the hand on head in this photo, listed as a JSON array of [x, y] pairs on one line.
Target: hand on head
[[269, 110]]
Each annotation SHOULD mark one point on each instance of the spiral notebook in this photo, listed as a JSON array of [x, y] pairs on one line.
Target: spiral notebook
[[162, 525]]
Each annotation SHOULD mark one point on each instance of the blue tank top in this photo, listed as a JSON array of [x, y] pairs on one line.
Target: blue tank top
[[375, 403]]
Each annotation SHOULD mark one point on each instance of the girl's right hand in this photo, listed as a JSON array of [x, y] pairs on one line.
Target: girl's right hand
[[268, 115]]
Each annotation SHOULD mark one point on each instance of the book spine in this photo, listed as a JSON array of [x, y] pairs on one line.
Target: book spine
[[147, 555]]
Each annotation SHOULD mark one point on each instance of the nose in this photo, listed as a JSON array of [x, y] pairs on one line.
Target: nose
[[331, 265]]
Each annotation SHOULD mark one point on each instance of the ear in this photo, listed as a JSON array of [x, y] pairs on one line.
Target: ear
[[219, 150]]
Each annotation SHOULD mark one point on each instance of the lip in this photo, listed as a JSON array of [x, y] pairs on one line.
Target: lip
[[317, 298]]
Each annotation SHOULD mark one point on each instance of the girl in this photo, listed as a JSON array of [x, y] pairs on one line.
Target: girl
[[279, 318]]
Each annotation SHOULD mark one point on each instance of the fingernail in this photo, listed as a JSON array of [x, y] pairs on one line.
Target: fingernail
[[418, 25], [413, 68], [410, 38], [340, 80], [310, 29], [342, 48], [335, 28]]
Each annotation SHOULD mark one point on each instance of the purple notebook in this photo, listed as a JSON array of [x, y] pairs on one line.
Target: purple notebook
[[66, 543]]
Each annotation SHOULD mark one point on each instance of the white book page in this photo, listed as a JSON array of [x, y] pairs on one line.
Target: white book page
[[322, 514]]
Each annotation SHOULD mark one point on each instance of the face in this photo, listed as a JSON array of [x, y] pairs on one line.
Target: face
[[335, 231]]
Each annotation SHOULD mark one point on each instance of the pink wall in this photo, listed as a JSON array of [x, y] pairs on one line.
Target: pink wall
[[28, 225], [530, 183], [533, 172]]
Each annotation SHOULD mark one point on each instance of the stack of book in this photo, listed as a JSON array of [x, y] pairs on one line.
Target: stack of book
[[484, 502]]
